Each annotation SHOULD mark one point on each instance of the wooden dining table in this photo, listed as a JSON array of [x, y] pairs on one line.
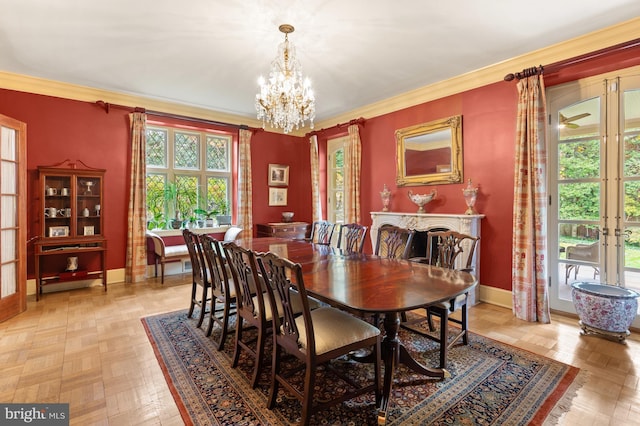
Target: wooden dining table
[[367, 284]]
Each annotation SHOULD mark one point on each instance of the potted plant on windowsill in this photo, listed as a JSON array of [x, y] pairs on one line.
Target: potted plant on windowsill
[[208, 216], [215, 216], [181, 200], [222, 214]]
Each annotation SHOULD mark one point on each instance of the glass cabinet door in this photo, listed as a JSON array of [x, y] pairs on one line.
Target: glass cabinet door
[[89, 190], [57, 206]]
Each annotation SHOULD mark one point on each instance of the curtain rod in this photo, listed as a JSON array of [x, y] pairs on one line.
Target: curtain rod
[[556, 66], [107, 106], [360, 120]]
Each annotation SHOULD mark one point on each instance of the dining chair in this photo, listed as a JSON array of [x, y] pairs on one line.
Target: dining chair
[[198, 274], [314, 337], [322, 232], [444, 249], [351, 237], [250, 306], [394, 242], [221, 291]]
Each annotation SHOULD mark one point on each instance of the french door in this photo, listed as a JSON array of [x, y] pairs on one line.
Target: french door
[[594, 183], [335, 179], [13, 216]]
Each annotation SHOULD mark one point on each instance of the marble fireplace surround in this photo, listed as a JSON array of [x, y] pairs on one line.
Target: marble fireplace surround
[[466, 224]]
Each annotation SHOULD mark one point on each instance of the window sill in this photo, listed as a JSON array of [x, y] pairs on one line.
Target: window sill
[[178, 232]]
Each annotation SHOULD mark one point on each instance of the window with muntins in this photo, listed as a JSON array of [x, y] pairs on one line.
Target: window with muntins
[[188, 176]]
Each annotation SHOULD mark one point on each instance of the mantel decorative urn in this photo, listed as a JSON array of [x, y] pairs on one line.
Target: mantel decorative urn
[[421, 199], [470, 194], [385, 195]]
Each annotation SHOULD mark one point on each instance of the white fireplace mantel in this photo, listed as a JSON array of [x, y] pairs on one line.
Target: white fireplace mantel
[[466, 224]]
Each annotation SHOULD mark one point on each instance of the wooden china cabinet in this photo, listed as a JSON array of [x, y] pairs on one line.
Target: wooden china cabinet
[[71, 244]]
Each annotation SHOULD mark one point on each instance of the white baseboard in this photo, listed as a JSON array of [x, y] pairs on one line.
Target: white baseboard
[[496, 296]]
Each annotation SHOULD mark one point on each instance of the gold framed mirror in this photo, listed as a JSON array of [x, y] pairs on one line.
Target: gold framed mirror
[[430, 153]]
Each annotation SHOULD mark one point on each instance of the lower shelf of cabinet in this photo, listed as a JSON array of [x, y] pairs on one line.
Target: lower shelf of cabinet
[[70, 276]]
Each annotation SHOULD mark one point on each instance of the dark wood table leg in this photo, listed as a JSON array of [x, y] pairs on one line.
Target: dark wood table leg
[[393, 353]]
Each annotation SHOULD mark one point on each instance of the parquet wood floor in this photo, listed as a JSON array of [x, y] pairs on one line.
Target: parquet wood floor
[[89, 348]]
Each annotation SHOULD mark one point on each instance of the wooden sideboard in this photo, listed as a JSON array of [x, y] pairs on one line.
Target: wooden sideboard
[[292, 230]]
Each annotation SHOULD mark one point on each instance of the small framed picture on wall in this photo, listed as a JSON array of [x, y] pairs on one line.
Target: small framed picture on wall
[[278, 175], [277, 196]]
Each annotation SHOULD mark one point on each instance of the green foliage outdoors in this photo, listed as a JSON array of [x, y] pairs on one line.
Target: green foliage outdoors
[[579, 192]]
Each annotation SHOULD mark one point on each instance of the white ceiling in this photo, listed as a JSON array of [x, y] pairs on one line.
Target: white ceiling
[[209, 53]]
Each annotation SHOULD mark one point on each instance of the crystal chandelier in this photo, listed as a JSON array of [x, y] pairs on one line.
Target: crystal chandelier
[[285, 100]]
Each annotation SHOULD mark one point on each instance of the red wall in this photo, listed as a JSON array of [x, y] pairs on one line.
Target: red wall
[[488, 133], [271, 148], [59, 129]]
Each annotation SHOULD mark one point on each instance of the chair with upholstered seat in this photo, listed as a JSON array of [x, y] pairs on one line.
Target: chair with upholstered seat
[[221, 290], [315, 337], [199, 276], [394, 242], [351, 237], [445, 249], [250, 306], [322, 232]]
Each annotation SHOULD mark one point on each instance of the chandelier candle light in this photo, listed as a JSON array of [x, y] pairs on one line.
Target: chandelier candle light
[[286, 100]]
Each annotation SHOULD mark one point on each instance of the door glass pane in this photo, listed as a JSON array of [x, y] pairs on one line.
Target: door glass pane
[[579, 201], [8, 143], [9, 184], [631, 179], [8, 241], [579, 120], [335, 179], [632, 111], [8, 218], [579, 159], [9, 279]]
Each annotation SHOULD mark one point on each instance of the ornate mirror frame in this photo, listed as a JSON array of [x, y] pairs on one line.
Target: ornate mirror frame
[[430, 153]]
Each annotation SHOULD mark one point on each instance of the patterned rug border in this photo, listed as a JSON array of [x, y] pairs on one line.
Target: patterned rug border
[[184, 413], [555, 405]]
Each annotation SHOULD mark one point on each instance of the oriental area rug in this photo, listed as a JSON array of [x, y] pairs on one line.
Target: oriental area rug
[[491, 384]]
